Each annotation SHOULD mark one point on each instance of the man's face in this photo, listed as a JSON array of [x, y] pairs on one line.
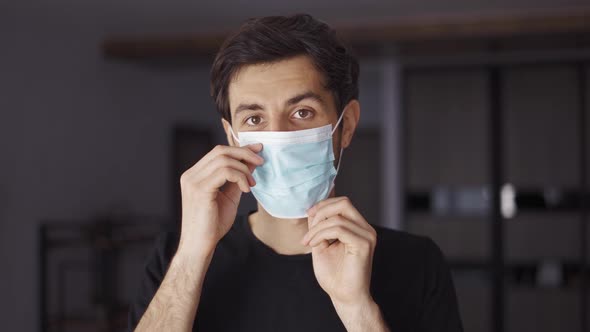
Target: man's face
[[282, 96]]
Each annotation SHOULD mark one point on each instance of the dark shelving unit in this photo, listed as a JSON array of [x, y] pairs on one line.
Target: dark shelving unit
[[509, 277], [82, 261]]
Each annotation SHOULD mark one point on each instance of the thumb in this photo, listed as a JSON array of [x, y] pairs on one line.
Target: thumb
[[322, 245], [233, 192]]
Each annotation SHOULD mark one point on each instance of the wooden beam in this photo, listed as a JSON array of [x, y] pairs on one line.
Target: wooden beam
[[472, 27], [162, 47], [368, 37]]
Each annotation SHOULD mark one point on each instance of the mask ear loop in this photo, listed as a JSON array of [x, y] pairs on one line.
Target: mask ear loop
[[339, 160], [234, 135], [341, 149], [341, 152], [338, 123], [337, 169]]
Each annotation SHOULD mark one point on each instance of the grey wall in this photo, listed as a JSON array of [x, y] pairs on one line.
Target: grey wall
[[81, 136]]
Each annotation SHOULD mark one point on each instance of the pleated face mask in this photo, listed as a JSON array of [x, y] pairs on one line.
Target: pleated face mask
[[298, 169]]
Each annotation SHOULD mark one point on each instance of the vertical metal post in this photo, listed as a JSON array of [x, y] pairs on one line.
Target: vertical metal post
[[496, 220], [391, 136]]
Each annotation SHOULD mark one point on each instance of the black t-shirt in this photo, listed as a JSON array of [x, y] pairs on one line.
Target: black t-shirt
[[250, 287]]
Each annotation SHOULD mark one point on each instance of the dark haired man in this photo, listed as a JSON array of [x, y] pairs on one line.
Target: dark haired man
[[306, 260]]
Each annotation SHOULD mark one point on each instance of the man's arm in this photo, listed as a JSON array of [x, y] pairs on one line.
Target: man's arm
[[207, 215], [364, 316], [343, 244], [175, 304]]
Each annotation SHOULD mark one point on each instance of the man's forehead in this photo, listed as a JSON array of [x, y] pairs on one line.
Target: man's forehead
[[298, 65], [276, 80]]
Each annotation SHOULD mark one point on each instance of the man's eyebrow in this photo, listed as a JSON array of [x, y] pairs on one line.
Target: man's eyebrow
[[248, 107], [303, 96], [292, 101]]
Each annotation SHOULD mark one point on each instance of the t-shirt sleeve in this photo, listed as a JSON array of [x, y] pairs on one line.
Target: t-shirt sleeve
[[152, 276], [440, 309]]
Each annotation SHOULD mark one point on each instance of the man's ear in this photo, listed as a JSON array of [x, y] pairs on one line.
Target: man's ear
[[350, 120], [230, 138]]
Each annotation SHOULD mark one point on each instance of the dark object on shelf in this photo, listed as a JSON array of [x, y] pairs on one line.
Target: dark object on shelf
[[537, 200]]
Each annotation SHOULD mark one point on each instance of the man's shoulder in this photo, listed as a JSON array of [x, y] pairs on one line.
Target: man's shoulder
[[398, 245], [402, 239], [411, 273]]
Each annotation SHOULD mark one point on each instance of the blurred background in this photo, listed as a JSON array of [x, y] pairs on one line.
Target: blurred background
[[474, 132]]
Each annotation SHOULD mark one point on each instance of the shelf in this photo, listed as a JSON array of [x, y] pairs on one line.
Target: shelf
[[540, 310], [473, 294], [539, 236]]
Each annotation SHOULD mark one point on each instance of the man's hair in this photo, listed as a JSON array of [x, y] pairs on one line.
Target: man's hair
[[274, 38]]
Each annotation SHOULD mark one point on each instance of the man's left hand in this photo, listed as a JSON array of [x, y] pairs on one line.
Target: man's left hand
[[342, 244]]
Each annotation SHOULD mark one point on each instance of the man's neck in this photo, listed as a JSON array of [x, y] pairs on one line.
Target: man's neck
[[282, 235]]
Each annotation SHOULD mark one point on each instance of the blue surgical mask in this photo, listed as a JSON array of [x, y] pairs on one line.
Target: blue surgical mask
[[298, 169]]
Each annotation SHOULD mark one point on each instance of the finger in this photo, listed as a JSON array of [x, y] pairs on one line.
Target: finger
[[344, 207], [251, 167], [255, 147], [312, 210], [226, 161], [336, 221], [341, 207], [246, 153], [323, 245], [223, 175], [232, 190], [342, 234]]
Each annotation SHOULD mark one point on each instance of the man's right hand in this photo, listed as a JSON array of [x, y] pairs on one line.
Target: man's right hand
[[208, 210]]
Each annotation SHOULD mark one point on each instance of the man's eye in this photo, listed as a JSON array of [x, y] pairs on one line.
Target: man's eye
[[303, 114], [253, 120]]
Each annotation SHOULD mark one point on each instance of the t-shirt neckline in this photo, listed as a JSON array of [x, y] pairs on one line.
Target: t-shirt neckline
[[264, 249]]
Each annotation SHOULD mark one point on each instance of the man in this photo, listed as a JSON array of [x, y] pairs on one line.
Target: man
[[306, 260]]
